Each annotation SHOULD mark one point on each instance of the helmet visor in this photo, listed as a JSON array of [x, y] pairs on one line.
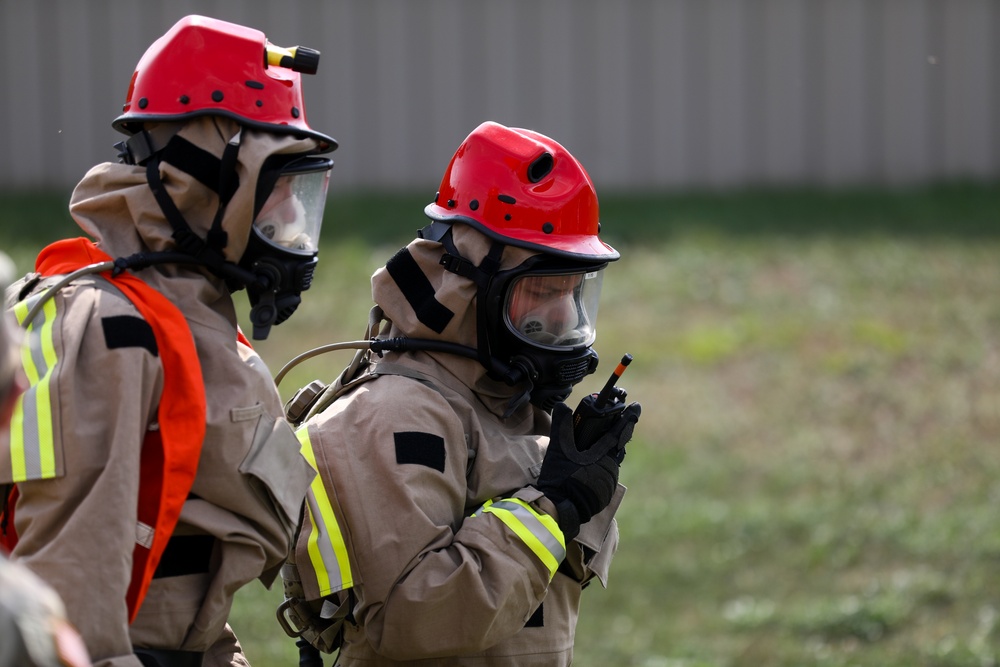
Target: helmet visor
[[555, 310], [292, 214]]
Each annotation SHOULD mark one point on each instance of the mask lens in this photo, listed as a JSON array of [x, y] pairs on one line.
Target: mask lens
[[292, 215], [556, 310]]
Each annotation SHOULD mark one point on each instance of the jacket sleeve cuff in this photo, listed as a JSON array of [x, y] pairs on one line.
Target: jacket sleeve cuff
[[599, 541], [594, 533], [563, 512]]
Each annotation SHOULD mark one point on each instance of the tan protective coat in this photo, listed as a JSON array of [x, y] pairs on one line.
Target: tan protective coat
[[431, 583], [77, 530]]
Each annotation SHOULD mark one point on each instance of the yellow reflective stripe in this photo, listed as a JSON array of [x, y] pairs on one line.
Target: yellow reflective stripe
[[32, 442], [326, 547], [537, 530], [46, 440]]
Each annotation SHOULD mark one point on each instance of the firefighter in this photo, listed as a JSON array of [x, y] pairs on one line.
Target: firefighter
[[149, 471], [454, 518]]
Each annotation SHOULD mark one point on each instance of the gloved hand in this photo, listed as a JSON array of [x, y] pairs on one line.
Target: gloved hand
[[582, 483]]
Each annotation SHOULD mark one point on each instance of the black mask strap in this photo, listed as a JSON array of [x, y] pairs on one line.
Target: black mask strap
[[187, 241], [452, 260], [228, 183], [197, 163], [486, 269]]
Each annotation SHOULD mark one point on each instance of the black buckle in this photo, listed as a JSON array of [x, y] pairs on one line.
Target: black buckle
[[459, 266], [136, 149]]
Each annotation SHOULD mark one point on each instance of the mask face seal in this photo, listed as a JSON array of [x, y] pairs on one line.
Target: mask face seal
[[284, 240], [544, 323]]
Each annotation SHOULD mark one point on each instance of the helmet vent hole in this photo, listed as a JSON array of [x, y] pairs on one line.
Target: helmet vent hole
[[540, 168], [474, 204], [184, 99], [547, 228], [507, 199], [217, 96], [143, 103]]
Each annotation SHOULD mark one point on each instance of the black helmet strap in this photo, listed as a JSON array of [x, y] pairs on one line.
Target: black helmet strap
[[482, 275], [217, 174], [454, 262]]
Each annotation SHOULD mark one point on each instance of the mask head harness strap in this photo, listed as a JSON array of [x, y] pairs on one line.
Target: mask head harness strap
[[162, 144], [453, 262]]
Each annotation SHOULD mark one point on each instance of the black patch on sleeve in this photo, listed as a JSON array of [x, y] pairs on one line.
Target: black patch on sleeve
[[424, 449], [129, 331], [537, 619], [418, 290]]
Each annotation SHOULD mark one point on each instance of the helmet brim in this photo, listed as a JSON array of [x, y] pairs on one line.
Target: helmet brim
[[126, 124], [583, 247]]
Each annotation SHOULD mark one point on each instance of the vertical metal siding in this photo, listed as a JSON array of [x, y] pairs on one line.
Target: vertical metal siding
[[647, 93]]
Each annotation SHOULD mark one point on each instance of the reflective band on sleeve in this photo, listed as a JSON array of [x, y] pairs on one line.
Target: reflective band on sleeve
[[537, 530], [327, 551], [32, 446]]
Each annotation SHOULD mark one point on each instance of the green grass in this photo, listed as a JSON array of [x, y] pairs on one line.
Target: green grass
[[815, 477]]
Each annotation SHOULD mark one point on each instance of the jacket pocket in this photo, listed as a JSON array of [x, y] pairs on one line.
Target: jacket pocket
[[277, 472]]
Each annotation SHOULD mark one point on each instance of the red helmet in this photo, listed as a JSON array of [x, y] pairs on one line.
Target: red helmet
[[524, 189], [203, 66]]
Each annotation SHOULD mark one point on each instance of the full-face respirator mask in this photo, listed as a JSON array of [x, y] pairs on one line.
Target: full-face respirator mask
[[539, 319], [283, 246]]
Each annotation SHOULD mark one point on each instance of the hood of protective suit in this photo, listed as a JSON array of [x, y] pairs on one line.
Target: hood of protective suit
[[451, 299], [115, 206]]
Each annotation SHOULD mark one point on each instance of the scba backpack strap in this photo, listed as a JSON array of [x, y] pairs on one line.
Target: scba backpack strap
[[317, 396]]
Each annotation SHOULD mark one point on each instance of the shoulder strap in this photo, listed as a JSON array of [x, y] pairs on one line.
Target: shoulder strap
[[317, 396]]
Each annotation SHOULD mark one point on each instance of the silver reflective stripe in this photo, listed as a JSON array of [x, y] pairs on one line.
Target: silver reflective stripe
[[530, 519], [325, 543], [327, 566], [539, 532]]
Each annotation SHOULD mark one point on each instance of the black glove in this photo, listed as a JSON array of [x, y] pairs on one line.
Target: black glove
[[581, 483]]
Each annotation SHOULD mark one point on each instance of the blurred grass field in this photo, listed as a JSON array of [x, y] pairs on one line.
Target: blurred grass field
[[814, 476]]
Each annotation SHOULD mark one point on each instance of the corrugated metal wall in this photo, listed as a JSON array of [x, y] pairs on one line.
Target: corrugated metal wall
[[647, 93]]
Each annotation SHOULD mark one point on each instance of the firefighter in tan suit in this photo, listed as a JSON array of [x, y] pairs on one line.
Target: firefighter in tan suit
[[149, 473], [454, 521]]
